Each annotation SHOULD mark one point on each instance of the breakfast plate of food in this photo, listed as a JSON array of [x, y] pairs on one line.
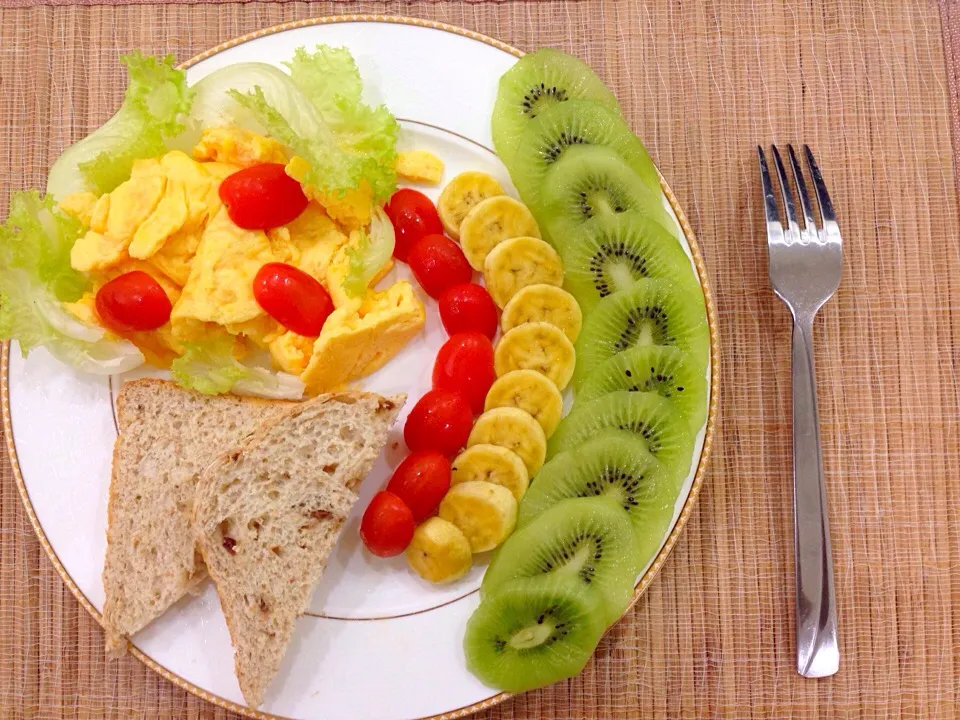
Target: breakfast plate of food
[[362, 367]]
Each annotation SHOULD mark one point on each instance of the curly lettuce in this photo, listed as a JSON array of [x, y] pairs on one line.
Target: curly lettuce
[[155, 104], [211, 368], [351, 143], [36, 279]]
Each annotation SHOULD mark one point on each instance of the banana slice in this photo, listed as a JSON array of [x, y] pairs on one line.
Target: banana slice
[[491, 463], [439, 551], [536, 346], [513, 429], [543, 303], [484, 512], [516, 263], [491, 222], [461, 195], [530, 391]]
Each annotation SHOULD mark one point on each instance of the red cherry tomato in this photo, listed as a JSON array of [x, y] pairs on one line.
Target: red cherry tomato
[[438, 263], [440, 421], [132, 302], [263, 196], [387, 525], [292, 298], [413, 216], [468, 307], [421, 481], [465, 365]]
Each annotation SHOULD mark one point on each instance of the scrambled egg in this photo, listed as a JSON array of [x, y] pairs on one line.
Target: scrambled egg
[[420, 166], [168, 221], [358, 339]]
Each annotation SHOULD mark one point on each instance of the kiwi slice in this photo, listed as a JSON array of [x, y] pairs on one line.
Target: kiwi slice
[[540, 80], [652, 312], [591, 181], [610, 253], [533, 632], [653, 418], [590, 541], [667, 371], [575, 122], [614, 464]]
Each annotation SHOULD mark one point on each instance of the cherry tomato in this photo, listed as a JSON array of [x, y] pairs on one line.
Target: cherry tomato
[[387, 525], [263, 196], [441, 421], [292, 298], [465, 365], [438, 263], [468, 307], [421, 481], [132, 302], [413, 216]]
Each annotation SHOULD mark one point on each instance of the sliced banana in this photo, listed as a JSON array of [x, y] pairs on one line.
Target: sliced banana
[[543, 303], [513, 429], [536, 346], [461, 195], [530, 391], [491, 463], [491, 222], [439, 551], [516, 263], [484, 512]]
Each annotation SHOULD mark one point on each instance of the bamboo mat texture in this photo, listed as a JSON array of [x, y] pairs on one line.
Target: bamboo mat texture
[[865, 83]]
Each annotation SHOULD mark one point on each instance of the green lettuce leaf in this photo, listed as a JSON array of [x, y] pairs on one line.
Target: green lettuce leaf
[[35, 280], [369, 255], [211, 368], [353, 142], [155, 104]]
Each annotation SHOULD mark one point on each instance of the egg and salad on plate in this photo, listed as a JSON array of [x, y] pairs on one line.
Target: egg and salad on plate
[[231, 231]]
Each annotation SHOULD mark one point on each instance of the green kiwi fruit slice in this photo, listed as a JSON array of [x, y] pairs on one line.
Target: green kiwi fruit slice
[[667, 371], [533, 632], [652, 312], [589, 541], [540, 80], [575, 122], [591, 181], [614, 464], [610, 253], [649, 416]]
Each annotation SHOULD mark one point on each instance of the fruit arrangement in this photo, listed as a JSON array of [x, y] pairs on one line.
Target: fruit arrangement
[[457, 494], [600, 495]]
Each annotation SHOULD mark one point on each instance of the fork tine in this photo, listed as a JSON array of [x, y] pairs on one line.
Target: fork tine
[[785, 193], [769, 199], [808, 221], [823, 198]]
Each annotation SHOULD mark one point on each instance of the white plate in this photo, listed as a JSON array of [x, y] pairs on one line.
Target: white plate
[[378, 642]]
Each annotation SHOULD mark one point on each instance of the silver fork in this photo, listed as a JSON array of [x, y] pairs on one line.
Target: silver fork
[[805, 272]]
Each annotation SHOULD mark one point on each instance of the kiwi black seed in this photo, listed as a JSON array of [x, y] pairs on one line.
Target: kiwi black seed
[[591, 181], [538, 81], [652, 312], [613, 464], [649, 416], [533, 632], [667, 371], [574, 122], [611, 253], [588, 540]]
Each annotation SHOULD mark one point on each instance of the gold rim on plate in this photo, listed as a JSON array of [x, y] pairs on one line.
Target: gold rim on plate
[[648, 576]]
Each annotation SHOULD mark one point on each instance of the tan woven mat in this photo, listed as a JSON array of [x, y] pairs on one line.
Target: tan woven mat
[[703, 82]]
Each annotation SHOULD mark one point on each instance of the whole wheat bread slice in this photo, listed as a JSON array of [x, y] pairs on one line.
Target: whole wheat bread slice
[[268, 515], [168, 436]]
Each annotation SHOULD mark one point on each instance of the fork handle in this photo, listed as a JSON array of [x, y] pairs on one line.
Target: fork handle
[[818, 653]]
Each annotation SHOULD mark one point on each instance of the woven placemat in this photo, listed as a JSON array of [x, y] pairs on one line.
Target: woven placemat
[[703, 82]]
